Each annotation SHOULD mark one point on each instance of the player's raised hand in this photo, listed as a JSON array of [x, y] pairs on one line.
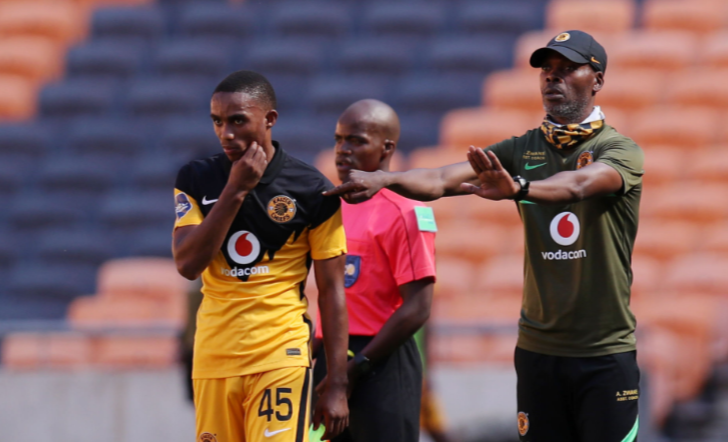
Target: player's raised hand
[[247, 170], [332, 410], [495, 182], [360, 187]]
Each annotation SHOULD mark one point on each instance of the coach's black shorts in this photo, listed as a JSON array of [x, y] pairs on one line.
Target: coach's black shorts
[[563, 399], [385, 404]]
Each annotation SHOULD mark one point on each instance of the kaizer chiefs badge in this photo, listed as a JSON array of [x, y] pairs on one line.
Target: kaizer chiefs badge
[[523, 423], [281, 209], [584, 160], [562, 37], [207, 437]]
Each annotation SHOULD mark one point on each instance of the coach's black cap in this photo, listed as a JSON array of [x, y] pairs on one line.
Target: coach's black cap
[[577, 46]]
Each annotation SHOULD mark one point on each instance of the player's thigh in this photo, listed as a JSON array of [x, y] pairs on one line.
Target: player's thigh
[[277, 405], [543, 406], [608, 398], [219, 413]]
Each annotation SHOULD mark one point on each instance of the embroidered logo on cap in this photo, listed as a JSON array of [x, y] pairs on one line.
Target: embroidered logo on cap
[[562, 37]]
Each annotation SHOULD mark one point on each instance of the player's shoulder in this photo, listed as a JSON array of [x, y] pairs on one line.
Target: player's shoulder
[[302, 176], [205, 166]]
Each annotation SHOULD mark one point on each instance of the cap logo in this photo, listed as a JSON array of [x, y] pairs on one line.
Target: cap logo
[[562, 37], [594, 60]]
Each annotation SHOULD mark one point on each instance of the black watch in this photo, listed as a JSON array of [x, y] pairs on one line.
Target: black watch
[[524, 183], [362, 363]]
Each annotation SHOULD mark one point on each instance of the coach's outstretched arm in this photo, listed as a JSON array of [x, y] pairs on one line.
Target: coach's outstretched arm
[[194, 247], [567, 187], [332, 407], [416, 184]]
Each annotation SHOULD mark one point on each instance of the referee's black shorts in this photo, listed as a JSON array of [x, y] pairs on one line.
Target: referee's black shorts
[[385, 404], [565, 399]]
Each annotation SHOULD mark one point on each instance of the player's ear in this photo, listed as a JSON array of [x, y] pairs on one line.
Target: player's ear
[[270, 118]]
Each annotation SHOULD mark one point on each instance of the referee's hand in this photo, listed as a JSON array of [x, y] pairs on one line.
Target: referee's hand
[[331, 408]]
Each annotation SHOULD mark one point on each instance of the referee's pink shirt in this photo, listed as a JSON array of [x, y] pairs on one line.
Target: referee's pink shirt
[[391, 250]]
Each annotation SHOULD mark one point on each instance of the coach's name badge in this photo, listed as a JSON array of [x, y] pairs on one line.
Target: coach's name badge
[[425, 219], [282, 208]]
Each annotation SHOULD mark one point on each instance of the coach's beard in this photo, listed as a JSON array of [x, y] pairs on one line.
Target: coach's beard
[[570, 111]]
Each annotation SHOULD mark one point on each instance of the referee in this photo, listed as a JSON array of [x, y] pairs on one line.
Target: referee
[[577, 184], [389, 280]]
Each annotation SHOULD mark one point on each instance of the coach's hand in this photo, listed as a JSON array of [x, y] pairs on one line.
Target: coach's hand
[[496, 183], [333, 409], [360, 187], [246, 171]]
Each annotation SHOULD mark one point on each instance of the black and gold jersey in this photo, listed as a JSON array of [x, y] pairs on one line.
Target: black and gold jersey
[[253, 315]]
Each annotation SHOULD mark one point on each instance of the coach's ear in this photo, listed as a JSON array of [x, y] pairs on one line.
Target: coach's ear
[[270, 118], [598, 82]]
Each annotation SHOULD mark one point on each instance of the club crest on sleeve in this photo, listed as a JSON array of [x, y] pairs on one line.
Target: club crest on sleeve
[[351, 270], [182, 205], [585, 159], [282, 208]]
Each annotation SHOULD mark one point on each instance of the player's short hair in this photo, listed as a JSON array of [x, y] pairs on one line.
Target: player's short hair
[[251, 83]]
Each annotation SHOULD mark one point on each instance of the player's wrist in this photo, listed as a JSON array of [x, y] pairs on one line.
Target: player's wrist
[[236, 194]]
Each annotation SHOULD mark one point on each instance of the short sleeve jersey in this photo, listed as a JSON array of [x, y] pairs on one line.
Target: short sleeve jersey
[[253, 315], [387, 249], [577, 272]]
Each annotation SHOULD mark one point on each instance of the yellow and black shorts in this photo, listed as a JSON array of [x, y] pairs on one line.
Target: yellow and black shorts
[[270, 406]]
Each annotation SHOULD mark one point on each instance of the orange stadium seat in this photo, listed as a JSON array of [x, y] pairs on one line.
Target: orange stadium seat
[[433, 157], [698, 88], [714, 51], [61, 21], [17, 98], [715, 239], [102, 312], [25, 351], [35, 58], [325, 163], [136, 351], [516, 89], [141, 277], [663, 164], [478, 307], [503, 213], [471, 240], [606, 16], [502, 276], [647, 273], [653, 50], [483, 127], [699, 272], [698, 16], [455, 276], [631, 89], [692, 202], [710, 167], [495, 348], [681, 128], [665, 240]]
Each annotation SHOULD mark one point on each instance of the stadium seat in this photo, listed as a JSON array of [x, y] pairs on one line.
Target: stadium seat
[[664, 164], [609, 16], [482, 127], [35, 58], [155, 172], [12, 175], [698, 272], [114, 138], [305, 136], [78, 98], [480, 308], [105, 60], [504, 18], [59, 350], [136, 351], [513, 89], [677, 127], [648, 273], [492, 349], [323, 20], [653, 50], [665, 241], [470, 240], [144, 24], [630, 90], [74, 247], [417, 129], [710, 168], [155, 242], [217, 21], [128, 212], [433, 157], [155, 278], [714, 51], [96, 312], [700, 17], [477, 55], [333, 94], [187, 138], [74, 174], [434, 94], [715, 239], [40, 279], [686, 201], [192, 60], [289, 57], [26, 141], [385, 57], [698, 87], [502, 276], [17, 98], [32, 211], [161, 98], [62, 22], [402, 20], [455, 276]]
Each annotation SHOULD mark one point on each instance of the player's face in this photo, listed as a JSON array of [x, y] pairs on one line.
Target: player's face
[[357, 147], [240, 119], [567, 86]]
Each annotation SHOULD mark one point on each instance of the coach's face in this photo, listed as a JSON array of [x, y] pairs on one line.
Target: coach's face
[[568, 88], [239, 119], [359, 145]]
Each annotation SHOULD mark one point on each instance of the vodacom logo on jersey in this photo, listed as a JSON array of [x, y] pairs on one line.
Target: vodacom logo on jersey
[[243, 248], [565, 230]]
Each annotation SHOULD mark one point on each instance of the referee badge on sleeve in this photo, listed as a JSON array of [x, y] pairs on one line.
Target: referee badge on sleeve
[[351, 270], [183, 205]]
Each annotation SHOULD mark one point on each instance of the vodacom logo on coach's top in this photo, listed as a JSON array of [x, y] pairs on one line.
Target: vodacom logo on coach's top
[[565, 228], [243, 247]]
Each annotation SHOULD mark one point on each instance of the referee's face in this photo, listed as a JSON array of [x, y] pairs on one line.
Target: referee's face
[[359, 145], [239, 120]]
